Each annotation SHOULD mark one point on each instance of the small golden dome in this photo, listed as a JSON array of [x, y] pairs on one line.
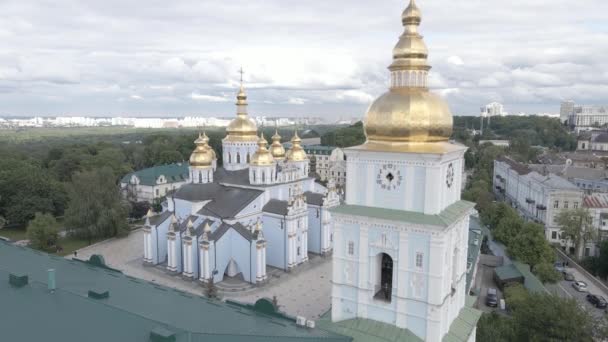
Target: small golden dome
[[205, 140], [408, 112], [296, 152], [203, 154], [242, 128], [262, 157], [277, 149]]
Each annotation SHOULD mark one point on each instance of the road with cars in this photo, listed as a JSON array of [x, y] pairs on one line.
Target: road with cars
[[568, 291]]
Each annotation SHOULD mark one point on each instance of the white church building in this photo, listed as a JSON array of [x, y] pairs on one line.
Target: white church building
[[260, 208], [401, 237]]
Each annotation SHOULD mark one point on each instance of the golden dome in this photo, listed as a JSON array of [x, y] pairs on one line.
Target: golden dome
[[408, 115], [277, 149], [203, 154], [262, 157], [296, 152], [242, 128], [408, 112], [205, 140]]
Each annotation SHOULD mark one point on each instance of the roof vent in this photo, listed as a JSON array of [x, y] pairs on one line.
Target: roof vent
[[301, 321], [162, 334], [99, 294], [17, 280], [310, 324]]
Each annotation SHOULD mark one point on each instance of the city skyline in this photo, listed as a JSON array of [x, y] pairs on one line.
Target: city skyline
[[317, 59]]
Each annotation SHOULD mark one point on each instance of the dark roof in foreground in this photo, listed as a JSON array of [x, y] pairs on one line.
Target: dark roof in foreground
[[132, 311]]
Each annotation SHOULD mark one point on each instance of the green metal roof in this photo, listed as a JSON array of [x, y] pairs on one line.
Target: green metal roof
[[134, 307], [174, 173], [367, 330], [475, 240], [463, 325], [447, 217], [507, 272], [531, 282]]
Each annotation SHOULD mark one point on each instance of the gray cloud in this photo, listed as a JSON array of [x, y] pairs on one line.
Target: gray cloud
[[301, 58]]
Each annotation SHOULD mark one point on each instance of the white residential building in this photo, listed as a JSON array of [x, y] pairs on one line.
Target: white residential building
[[537, 197]]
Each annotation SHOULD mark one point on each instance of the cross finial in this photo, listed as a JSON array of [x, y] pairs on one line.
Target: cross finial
[[241, 72]]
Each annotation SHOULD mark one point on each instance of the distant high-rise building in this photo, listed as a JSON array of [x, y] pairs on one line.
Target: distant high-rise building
[[588, 117], [493, 109], [566, 110]]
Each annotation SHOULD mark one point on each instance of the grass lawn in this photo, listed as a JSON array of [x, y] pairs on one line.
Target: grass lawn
[[15, 234]]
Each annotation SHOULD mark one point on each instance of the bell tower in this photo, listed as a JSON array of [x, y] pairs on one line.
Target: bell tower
[[401, 237]]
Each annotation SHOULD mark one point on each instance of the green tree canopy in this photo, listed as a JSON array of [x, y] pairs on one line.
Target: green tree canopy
[[42, 232], [529, 245], [96, 208], [547, 273], [577, 227]]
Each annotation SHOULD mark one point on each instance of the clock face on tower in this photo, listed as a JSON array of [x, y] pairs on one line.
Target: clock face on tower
[[389, 177], [449, 176]]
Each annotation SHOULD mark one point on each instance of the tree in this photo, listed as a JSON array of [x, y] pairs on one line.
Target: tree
[[495, 328], [26, 189], [602, 260], [547, 273], [529, 245], [42, 232], [508, 229], [577, 227], [96, 208], [545, 317], [2, 222]]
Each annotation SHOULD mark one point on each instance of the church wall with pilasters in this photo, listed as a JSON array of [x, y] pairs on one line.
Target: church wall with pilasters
[[419, 299]]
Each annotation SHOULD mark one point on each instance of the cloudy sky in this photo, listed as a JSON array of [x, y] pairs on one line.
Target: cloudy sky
[[301, 58]]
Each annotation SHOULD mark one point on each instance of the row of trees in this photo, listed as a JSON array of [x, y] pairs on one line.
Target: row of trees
[[525, 241], [540, 317]]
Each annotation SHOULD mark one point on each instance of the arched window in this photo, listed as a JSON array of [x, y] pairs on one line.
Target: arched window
[[247, 158], [263, 177], [384, 292], [200, 177], [229, 158]]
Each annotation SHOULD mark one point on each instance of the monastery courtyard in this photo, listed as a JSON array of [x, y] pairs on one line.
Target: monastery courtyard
[[304, 292]]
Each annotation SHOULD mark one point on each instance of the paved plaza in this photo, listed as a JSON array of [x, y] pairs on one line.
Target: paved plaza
[[304, 292]]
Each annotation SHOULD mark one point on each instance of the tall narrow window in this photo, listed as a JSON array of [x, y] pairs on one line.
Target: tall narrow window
[[556, 204], [565, 204], [238, 158], [419, 260], [351, 248]]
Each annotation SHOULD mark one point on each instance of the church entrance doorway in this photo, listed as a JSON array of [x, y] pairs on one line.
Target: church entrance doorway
[[386, 278]]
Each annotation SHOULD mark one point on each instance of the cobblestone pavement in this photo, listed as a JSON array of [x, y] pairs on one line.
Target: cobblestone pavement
[[304, 292]]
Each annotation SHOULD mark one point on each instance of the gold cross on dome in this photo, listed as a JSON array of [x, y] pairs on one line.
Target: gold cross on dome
[[241, 72]]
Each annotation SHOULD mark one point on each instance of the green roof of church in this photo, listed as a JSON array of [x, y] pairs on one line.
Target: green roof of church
[[134, 310], [174, 173], [444, 219]]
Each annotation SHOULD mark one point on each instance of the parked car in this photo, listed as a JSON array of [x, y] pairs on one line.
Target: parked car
[[598, 301], [559, 266], [580, 286], [568, 276], [492, 298]]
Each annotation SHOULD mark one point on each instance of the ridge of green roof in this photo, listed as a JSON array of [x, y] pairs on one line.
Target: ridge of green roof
[[174, 173], [463, 326], [367, 330], [444, 219]]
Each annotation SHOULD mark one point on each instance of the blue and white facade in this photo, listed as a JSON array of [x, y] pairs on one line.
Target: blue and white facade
[[233, 221], [401, 237]]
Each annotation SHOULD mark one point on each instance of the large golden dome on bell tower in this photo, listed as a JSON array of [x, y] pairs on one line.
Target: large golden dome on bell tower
[[408, 112]]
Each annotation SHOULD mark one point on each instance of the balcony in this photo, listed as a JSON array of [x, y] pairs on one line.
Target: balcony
[[530, 201], [541, 207]]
